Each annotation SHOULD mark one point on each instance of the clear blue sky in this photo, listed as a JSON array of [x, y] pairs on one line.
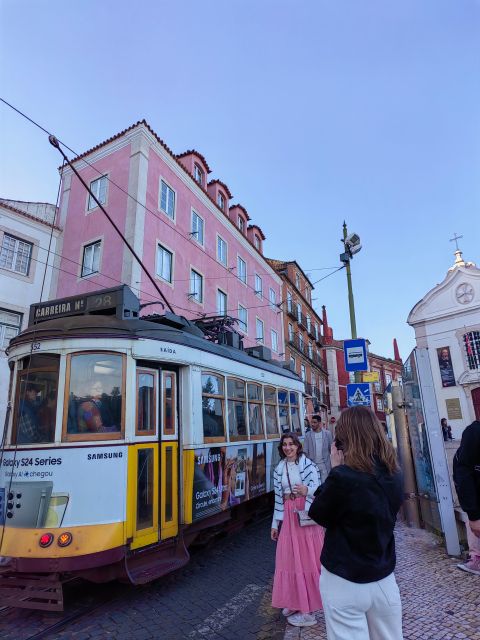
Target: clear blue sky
[[312, 112]]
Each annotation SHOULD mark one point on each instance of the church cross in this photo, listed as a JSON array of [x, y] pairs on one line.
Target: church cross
[[455, 239]]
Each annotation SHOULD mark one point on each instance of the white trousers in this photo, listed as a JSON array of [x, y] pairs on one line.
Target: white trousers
[[353, 611]]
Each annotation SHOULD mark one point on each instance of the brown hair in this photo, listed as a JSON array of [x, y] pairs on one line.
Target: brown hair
[[296, 442], [363, 440]]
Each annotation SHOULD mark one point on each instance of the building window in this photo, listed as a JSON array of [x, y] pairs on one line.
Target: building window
[[242, 270], [297, 281], [309, 324], [221, 200], [243, 318], [310, 351], [221, 251], [258, 286], [290, 332], [167, 200], [379, 404], [289, 302], [303, 372], [377, 385], [241, 224], [221, 303], [293, 364], [99, 189], [196, 286], [198, 174], [388, 378], [256, 241], [471, 342], [197, 228], [274, 336], [316, 331], [260, 332], [273, 299], [91, 258], [299, 312], [213, 401], [10, 324], [164, 263], [300, 341], [15, 254]]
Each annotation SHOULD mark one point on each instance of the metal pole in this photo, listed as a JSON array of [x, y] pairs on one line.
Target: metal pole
[[351, 303], [410, 505]]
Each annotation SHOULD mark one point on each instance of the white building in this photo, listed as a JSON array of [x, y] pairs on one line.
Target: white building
[[26, 233], [447, 322]]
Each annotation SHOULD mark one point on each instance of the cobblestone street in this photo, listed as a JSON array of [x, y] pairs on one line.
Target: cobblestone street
[[224, 593]]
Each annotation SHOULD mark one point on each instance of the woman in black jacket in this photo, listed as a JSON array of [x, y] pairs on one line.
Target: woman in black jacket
[[358, 505]]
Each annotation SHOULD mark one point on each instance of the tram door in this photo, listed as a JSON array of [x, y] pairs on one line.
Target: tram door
[[168, 454], [153, 462]]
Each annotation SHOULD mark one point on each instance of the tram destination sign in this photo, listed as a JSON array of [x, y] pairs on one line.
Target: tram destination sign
[[119, 301]]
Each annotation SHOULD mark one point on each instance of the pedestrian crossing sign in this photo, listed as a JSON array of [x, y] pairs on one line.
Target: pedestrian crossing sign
[[358, 394]]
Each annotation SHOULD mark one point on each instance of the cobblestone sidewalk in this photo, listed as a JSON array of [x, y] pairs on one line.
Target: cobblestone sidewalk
[[440, 602]]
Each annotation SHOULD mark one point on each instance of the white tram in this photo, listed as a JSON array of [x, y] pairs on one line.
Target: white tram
[[125, 438]]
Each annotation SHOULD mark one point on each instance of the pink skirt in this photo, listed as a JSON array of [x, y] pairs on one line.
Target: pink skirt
[[297, 564]]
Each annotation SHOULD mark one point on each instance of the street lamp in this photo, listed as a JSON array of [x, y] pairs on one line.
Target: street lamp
[[352, 245]]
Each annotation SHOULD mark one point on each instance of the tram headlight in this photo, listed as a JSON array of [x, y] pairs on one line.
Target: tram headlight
[[46, 540], [64, 539]]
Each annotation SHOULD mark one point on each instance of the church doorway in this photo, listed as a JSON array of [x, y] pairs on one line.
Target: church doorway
[[476, 402]]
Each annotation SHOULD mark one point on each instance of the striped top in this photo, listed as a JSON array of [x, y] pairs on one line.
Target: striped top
[[309, 476]]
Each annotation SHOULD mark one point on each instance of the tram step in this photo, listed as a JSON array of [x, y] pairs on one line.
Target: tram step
[[147, 567], [27, 591]]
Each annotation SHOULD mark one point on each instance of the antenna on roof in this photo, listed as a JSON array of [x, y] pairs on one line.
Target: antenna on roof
[[54, 142]]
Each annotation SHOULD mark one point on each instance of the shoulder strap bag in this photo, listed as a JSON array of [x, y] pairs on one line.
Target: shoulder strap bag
[[304, 519]]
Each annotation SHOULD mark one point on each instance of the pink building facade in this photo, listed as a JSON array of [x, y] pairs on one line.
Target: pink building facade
[[205, 255]]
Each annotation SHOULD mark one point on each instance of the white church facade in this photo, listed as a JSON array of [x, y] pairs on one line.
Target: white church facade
[[447, 323]]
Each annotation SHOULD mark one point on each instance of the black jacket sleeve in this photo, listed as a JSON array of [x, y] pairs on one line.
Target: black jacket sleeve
[[466, 471], [329, 500]]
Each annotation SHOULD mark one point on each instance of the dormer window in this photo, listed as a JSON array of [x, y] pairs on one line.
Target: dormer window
[[241, 224], [198, 174], [221, 200], [256, 242]]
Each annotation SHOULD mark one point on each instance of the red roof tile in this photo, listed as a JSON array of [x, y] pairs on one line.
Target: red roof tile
[[199, 156], [255, 226], [222, 184], [242, 208], [28, 215]]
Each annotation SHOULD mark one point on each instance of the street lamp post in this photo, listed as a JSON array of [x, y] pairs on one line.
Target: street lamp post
[[352, 246]]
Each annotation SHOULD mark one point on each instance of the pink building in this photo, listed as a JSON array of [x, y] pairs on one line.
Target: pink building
[[205, 255]]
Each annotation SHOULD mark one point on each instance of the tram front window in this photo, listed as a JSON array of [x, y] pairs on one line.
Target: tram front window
[[95, 394], [36, 400]]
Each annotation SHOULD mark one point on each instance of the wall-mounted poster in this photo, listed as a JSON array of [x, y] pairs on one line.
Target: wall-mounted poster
[[446, 367]]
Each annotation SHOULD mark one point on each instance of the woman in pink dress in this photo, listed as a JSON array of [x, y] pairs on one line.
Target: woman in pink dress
[[297, 564]]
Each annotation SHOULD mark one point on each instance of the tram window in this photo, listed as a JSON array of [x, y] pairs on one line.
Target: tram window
[[271, 417], [283, 410], [213, 399], [95, 396], [237, 421], [295, 412], [255, 414], [146, 396], [144, 489], [169, 404], [168, 484], [36, 399]]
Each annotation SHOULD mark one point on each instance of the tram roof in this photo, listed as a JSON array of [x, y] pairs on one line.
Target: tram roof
[[100, 326]]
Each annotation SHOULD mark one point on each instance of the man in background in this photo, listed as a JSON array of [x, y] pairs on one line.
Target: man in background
[[317, 446], [466, 475]]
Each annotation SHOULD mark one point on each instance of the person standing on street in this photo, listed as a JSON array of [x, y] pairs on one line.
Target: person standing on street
[[358, 506], [317, 446], [446, 430], [297, 561], [466, 475]]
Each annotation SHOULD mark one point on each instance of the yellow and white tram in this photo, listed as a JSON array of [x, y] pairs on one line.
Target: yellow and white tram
[[125, 438]]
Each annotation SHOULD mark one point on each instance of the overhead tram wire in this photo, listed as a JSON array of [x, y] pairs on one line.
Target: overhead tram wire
[[153, 213]]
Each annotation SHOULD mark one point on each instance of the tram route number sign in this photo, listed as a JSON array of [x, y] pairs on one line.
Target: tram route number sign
[[115, 299]]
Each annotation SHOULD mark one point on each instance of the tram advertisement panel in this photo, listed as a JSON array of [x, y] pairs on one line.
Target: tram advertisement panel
[[63, 487], [227, 476]]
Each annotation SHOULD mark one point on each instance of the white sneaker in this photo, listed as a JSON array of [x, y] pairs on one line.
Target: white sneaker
[[288, 612], [302, 620]]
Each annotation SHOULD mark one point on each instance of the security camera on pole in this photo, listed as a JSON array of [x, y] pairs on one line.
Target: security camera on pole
[[355, 350]]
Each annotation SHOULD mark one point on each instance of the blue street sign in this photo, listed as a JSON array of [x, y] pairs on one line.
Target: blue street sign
[[355, 352], [358, 393]]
